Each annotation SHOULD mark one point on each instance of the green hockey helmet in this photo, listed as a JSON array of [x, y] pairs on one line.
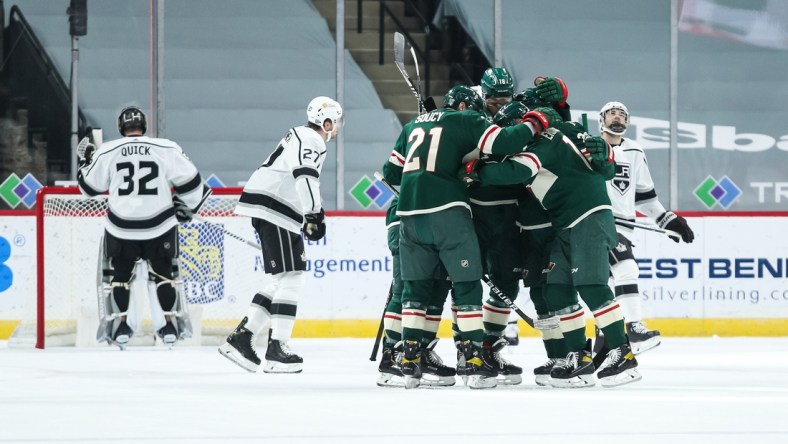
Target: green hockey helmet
[[461, 93], [497, 82], [510, 114]]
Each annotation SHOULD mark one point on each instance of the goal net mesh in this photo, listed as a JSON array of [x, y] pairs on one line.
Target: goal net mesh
[[219, 273]]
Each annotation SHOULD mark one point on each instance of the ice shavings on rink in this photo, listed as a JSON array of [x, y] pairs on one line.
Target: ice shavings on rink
[[729, 390]]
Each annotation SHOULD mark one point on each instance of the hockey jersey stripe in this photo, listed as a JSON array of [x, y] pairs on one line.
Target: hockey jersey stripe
[[190, 185], [271, 204], [90, 191], [488, 139], [142, 224], [305, 171]]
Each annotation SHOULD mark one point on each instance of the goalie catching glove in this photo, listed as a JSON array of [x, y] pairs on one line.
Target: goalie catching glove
[[87, 146], [672, 221], [315, 226]]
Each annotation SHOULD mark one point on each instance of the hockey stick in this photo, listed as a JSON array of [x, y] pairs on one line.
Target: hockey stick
[[630, 224], [255, 245], [541, 324], [399, 60], [378, 336]]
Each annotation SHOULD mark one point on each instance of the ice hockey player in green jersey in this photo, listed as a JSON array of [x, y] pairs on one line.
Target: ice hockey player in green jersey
[[567, 174], [424, 162]]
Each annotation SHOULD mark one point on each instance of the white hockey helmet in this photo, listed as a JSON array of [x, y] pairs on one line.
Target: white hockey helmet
[[617, 128], [324, 108]]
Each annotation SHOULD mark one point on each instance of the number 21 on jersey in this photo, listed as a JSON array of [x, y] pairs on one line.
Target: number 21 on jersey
[[416, 139]]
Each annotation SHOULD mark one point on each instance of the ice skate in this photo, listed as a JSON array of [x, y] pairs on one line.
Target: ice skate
[[390, 367], [122, 335], [434, 373], [512, 333], [479, 366], [411, 364], [239, 348], [641, 338], [461, 367], [600, 348], [542, 373], [619, 368], [576, 371], [168, 334], [508, 373], [280, 359]]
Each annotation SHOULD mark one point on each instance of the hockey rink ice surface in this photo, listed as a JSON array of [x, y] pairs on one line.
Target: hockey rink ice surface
[[711, 390]]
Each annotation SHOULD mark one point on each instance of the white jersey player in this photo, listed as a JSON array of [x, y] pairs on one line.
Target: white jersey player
[[283, 199], [632, 190], [139, 173]]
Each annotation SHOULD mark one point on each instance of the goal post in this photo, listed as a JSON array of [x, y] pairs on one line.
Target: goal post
[[219, 272]]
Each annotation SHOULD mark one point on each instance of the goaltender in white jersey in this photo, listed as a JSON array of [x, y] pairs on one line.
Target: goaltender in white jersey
[[139, 173], [283, 199], [632, 190]]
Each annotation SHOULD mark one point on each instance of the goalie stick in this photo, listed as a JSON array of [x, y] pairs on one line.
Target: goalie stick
[[630, 224], [540, 324], [399, 60], [378, 336]]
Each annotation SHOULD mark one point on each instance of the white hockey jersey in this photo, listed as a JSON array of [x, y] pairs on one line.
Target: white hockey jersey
[[287, 185], [632, 189], [139, 173]]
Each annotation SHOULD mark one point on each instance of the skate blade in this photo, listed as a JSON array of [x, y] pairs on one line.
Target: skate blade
[[581, 381], [232, 354], [509, 379], [626, 377], [542, 380], [644, 346], [437, 381], [278, 367], [478, 382], [389, 380], [411, 382]]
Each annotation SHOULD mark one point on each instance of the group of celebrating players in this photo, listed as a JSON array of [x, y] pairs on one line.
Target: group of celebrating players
[[507, 187]]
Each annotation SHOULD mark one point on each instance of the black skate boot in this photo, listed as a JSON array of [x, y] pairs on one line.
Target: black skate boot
[[168, 334], [512, 333], [462, 369], [434, 373], [411, 363], [542, 373], [641, 338], [239, 348], [508, 373], [122, 335], [280, 359], [619, 368], [390, 367], [575, 371], [480, 366], [600, 348]]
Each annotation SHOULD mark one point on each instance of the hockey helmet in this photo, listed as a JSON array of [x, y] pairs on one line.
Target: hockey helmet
[[497, 82], [462, 94], [132, 117], [616, 128], [510, 114], [324, 108]]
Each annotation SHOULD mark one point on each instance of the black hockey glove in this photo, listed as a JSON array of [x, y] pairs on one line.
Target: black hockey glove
[[315, 227], [671, 221], [182, 212]]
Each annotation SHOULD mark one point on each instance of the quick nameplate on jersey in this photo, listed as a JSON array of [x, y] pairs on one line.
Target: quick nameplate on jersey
[[135, 149], [430, 117]]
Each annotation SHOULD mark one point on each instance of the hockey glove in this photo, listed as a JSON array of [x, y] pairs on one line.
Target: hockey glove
[[182, 211], [469, 174], [672, 221], [315, 226], [85, 151], [552, 90], [598, 150], [541, 119]]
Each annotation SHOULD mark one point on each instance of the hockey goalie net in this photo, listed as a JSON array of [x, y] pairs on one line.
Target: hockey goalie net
[[219, 273]]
